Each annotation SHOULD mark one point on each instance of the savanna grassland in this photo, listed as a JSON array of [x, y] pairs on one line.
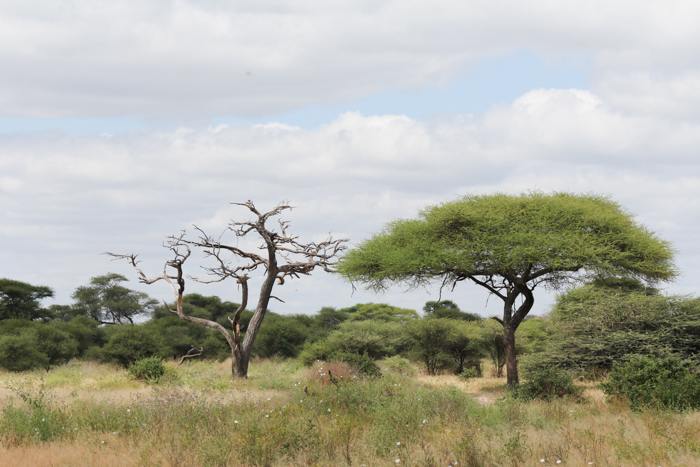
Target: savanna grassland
[[89, 414]]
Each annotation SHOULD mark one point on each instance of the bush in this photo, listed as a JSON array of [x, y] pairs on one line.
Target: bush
[[472, 369], [148, 369], [129, 344], [58, 346], [378, 339], [20, 353], [546, 384], [655, 382], [362, 363], [399, 365], [600, 324], [319, 350]]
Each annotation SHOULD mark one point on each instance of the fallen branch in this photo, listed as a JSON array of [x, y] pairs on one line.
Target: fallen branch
[[191, 354]]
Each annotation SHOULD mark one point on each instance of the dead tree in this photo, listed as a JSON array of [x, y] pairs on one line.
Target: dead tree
[[282, 257]]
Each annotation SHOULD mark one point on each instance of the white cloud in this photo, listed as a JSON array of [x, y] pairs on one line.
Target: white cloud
[[65, 198], [186, 57]]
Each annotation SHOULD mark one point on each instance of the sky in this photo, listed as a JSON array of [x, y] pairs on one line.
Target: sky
[[124, 122]]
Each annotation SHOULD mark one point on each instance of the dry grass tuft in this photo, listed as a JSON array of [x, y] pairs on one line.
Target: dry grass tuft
[[113, 453]]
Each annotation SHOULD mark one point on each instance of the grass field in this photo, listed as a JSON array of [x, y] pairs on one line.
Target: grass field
[[284, 414]]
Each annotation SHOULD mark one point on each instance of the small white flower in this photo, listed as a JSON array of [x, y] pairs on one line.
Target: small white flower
[[103, 442], [398, 443], [329, 410], [128, 410], [267, 416], [269, 398], [43, 419], [425, 421], [397, 460], [235, 421], [558, 462]]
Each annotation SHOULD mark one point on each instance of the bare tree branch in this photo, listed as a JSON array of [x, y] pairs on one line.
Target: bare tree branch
[[231, 261]]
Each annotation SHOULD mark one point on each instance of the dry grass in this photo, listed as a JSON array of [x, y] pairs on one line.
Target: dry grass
[[114, 452], [204, 418]]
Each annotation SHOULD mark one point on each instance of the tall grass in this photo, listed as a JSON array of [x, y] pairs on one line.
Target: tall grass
[[288, 415]]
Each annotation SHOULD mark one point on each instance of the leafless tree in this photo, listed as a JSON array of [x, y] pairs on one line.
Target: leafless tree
[[283, 256]]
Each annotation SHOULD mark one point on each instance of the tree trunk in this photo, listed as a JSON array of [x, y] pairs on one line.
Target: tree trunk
[[511, 359], [239, 364]]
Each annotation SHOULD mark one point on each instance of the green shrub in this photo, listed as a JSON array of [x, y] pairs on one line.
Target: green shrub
[[547, 383], [655, 382], [130, 343], [362, 363], [319, 350], [20, 353], [472, 369], [149, 369], [399, 365], [58, 346]]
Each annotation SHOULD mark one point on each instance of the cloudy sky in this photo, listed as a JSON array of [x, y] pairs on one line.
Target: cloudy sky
[[122, 122]]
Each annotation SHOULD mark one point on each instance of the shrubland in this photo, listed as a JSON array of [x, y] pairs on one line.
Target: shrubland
[[286, 413]]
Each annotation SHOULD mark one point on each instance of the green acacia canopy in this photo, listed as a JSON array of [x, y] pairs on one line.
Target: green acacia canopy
[[533, 238]]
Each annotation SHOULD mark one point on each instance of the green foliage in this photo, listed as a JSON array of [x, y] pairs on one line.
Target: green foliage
[[447, 309], [429, 338], [594, 326], [398, 364], [129, 344], [471, 372], [63, 313], [547, 384], [282, 336], [175, 335], [216, 347], [320, 350], [492, 338], [441, 343], [13, 327], [378, 339], [362, 363], [20, 353], [58, 346], [20, 300], [328, 318], [656, 382], [26, 345], [510, 245], [379, 312], [149, 369], [108, 302], [533, 335], [504, 235]]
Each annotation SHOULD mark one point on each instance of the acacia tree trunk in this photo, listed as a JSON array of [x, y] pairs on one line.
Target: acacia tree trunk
[[510, 323], [511, 358]]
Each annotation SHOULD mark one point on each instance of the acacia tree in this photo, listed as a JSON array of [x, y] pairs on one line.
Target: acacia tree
[[22, 301], [510, 245], [108, 302], [283, 257]]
